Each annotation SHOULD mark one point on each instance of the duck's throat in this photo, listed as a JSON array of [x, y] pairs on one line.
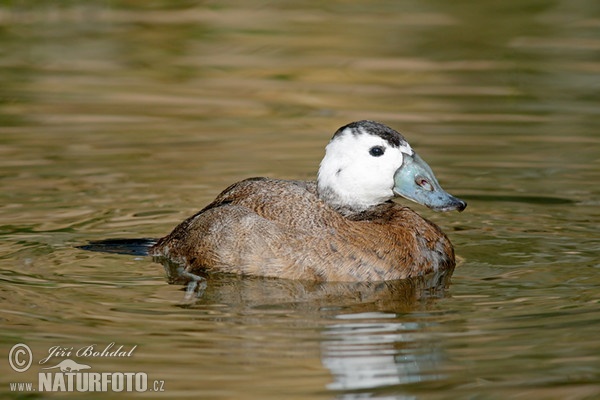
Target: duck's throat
[[344, 204]]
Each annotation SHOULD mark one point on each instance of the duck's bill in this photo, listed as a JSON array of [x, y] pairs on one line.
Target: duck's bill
[[415, 181]]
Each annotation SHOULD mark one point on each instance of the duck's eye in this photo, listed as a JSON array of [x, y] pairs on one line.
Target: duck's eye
[[376, 151]]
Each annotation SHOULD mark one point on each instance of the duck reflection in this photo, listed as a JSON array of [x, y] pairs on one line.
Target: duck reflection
[[397, 295], [370, 337], [376, 350]]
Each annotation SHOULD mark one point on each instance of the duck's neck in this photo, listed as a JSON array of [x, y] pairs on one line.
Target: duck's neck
[[349, 192], [345, 205]]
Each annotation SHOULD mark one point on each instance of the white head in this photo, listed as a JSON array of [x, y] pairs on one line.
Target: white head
[[363, 167]]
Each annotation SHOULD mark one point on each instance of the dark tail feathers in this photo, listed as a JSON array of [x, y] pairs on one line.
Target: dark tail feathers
[[132, 247]]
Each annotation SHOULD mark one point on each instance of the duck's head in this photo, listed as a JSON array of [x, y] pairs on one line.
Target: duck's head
[[367, 163]]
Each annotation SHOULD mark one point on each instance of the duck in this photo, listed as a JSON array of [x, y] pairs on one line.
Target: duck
[[345, 226]]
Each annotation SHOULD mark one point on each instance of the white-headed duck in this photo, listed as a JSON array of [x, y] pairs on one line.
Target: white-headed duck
[[341, 227]]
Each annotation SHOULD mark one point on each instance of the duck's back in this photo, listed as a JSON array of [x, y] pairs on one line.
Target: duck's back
[[279, 228]]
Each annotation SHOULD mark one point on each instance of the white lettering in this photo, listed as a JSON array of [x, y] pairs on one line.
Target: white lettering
[[21, 387], [117, 382], [85, 351], [106, 380], [92, 382], [57, 351], [59, 383], [82, 385], [141, 382], [70, 376], [45, 381], [92, 351]]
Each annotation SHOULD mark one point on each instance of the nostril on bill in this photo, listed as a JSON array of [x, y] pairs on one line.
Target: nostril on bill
[[424, 183]]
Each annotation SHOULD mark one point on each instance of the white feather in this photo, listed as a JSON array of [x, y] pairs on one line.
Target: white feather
[[350, 177]]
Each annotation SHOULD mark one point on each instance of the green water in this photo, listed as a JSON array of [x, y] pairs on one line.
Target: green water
[[119, 119]]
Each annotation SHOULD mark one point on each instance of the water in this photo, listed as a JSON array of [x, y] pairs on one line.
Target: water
[[119, 119]]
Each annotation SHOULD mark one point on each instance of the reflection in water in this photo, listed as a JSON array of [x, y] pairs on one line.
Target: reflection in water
[[373, 349], [370, 344], [395, 296], [369, 341]]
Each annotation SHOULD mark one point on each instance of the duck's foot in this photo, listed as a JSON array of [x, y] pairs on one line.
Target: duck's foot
[[196, 285], [178, 274]]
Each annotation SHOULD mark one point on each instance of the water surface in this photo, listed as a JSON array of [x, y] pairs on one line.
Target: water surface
[[118, 120]]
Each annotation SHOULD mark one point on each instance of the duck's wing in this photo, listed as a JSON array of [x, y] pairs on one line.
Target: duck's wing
[[289, 202], [257, 226]]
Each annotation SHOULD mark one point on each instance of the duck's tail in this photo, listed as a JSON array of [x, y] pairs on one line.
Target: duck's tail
[[133, 247]]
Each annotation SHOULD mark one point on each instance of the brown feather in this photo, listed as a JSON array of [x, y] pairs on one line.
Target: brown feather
[[279, 228]]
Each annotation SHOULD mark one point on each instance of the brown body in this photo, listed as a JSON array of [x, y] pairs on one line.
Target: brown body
[[278, 228]]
